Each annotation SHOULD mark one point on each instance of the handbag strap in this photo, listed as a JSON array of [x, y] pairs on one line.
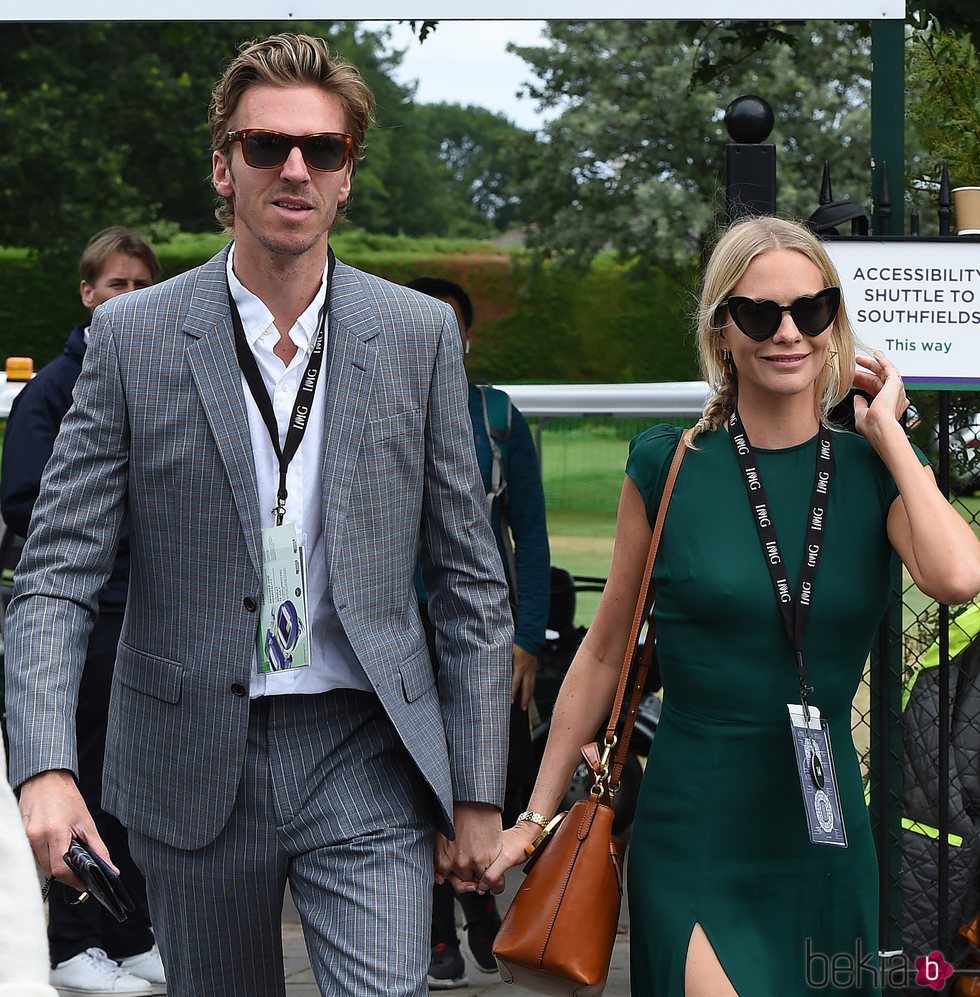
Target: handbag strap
[[619, 719]]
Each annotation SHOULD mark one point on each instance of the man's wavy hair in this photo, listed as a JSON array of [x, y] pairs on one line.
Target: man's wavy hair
[[732, 256], [289, 60]]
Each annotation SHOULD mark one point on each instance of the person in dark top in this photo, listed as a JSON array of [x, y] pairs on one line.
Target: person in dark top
[[91, 953], [512, 479]]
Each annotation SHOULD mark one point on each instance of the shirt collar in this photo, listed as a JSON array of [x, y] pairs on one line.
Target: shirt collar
[[257, 319]]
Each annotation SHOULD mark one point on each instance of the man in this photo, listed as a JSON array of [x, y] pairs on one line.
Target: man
[[512, 481], [91, 953], [274, 715]]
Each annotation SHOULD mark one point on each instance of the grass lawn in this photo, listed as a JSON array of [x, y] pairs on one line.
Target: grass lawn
[[583, 545], [582, 466]]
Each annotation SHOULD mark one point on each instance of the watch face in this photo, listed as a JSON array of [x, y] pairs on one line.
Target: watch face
[[287, 626]]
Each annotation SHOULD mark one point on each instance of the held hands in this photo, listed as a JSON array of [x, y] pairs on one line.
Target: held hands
[[53, 811], [515, 844], [881, 380], [464, 861]]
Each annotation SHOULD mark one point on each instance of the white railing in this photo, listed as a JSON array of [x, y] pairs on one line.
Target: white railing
[[678, 399], [8, 392]]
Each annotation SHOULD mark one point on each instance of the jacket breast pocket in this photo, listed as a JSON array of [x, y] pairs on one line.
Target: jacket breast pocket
[[392, 427], [160, 678], [392, 454]]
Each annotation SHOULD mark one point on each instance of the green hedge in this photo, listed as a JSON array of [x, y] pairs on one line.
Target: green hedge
[[531, 324]]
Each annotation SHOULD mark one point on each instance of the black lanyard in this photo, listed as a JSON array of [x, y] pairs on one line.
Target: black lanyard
[[795, 612], [302, 406]]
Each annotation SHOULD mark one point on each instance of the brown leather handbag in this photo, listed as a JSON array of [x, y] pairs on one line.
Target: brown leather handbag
[[557, 937]]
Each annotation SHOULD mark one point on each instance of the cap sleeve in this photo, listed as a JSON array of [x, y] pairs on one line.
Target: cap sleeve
[[648, 462]]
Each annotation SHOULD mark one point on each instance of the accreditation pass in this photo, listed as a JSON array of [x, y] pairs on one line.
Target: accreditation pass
[[283, 635], [818, 779]]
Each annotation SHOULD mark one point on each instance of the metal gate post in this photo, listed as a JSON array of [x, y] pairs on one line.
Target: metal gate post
[[888, 119], [886, 767], [888, 179]]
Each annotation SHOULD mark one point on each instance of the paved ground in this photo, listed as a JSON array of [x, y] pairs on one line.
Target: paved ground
[[299, 976]]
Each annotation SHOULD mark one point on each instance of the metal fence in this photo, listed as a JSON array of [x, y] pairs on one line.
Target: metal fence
[[925, 721]]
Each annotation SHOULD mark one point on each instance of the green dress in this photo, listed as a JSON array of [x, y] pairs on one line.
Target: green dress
[[720, 836]]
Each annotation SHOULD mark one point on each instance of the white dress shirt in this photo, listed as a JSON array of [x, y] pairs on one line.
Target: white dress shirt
[[333, 663]]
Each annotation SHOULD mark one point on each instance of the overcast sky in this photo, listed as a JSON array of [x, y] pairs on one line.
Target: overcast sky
[[466, 62]]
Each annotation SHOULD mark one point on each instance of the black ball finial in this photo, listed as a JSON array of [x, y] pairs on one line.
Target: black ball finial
[[749, 119]]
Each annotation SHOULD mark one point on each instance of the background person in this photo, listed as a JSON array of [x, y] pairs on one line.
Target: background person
[[87, 944], [199, 412], [727, 889], [512, 480]]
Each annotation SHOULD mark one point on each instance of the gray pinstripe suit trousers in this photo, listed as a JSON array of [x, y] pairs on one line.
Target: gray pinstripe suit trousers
[[308, 811]]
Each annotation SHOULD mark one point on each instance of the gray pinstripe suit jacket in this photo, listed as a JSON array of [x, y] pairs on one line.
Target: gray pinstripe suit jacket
[[158, 428]]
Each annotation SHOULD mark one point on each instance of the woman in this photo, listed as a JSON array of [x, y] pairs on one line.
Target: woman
[[728, 893]]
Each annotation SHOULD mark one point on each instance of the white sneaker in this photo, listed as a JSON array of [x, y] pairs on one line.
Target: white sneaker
[[147, 966], [92, 973]]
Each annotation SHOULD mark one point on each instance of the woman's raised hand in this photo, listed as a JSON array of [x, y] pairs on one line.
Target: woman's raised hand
[[880, 379]]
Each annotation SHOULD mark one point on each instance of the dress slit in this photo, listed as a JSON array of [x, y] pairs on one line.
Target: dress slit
[[698, 925]]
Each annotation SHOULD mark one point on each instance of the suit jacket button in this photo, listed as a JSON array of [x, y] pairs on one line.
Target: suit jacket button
[[250, 604], [238, 689]]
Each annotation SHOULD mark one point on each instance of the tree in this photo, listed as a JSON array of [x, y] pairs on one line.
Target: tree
[[943, 83], [635, 160], [480, 150], [106, 123], [955, 15]]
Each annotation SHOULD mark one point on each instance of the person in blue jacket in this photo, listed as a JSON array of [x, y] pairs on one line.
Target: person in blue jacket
[[90, 952], [512, 479]]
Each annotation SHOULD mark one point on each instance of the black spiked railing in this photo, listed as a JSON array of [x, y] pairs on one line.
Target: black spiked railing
[[884, 201], [826, 191], [945, 201], [831, 213]]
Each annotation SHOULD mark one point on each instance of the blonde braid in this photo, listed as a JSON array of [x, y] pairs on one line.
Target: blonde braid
[[719, 405]]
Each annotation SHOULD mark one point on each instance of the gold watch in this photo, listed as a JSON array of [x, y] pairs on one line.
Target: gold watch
[[534, 817]]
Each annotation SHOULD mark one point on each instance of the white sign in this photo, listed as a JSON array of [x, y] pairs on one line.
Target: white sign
[[918, 301], [395, 10]]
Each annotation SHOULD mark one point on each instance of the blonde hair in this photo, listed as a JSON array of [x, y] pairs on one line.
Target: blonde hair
[[289, 60], [732, 256]]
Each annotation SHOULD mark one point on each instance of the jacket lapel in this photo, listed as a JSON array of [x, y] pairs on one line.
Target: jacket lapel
[[351, 367], [214, 368]]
